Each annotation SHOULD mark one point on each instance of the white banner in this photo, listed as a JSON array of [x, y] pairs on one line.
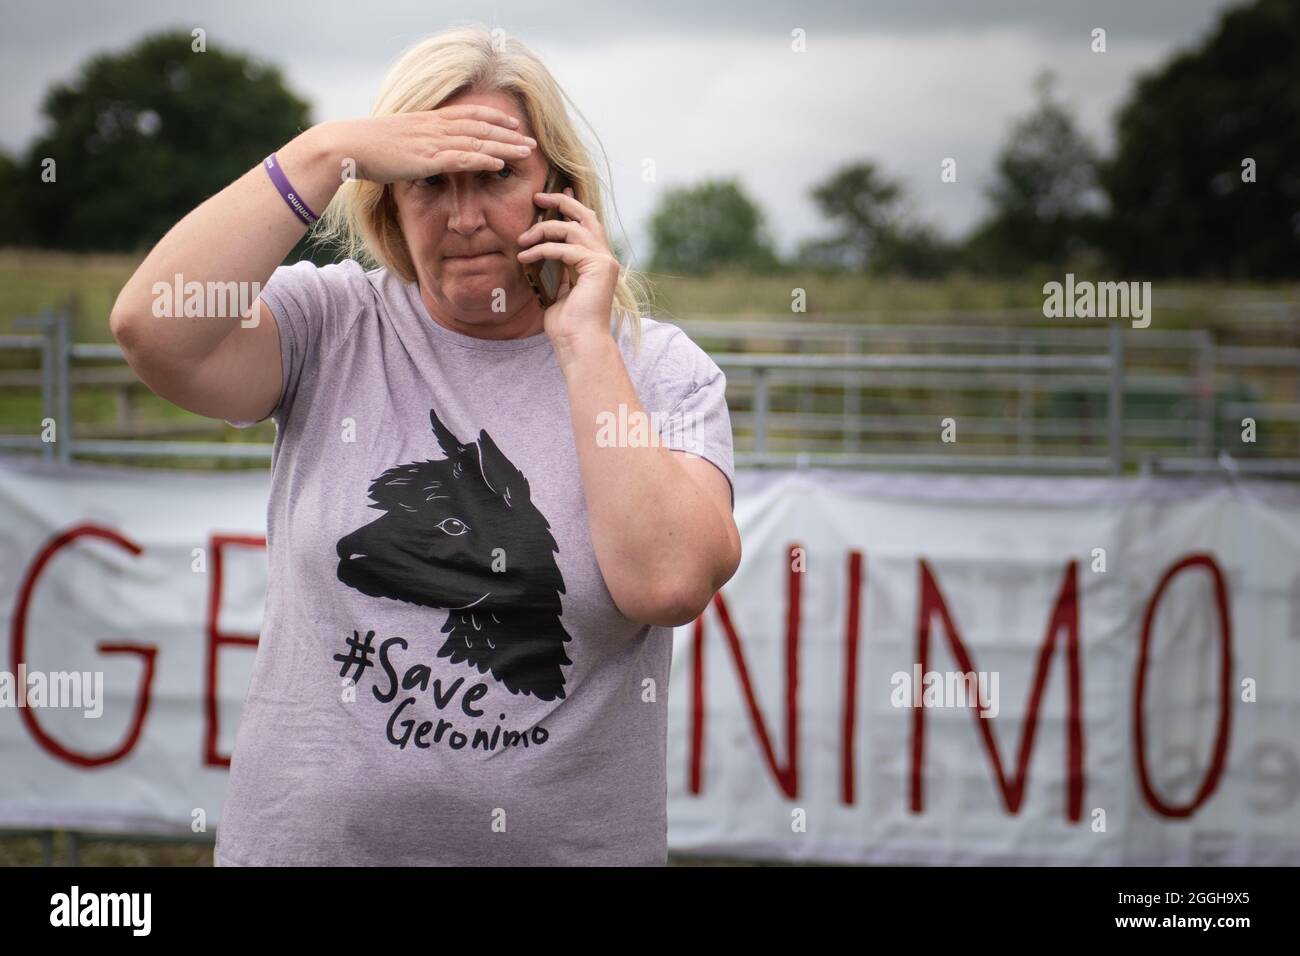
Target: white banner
[[906, 669]]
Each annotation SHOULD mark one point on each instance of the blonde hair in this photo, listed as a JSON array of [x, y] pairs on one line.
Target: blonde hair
[[361, 220]]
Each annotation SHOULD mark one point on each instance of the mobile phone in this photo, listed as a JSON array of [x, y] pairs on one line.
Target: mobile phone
[[545, 275]]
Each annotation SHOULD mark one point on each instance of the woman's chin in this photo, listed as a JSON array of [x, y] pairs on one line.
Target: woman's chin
[[481, 292]]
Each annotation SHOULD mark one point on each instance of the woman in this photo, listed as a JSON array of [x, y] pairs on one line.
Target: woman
[[478, 673]]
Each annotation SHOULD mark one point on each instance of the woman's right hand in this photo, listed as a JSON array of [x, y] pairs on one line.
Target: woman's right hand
[[409, 146], [240, 235]]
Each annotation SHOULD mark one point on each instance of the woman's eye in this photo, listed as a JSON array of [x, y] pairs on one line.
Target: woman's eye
[[505, 172]]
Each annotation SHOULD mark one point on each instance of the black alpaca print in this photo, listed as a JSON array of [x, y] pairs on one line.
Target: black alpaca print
[[462, 534]]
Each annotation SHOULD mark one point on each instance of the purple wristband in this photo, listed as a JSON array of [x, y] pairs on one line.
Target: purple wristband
[[300, 208]]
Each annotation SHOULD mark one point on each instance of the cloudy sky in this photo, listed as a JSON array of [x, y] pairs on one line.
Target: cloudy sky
[[702, 89]]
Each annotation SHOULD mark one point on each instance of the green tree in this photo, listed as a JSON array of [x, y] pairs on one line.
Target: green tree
[[874, 232], [12, 221], [1182, 205], [140, 138], [917, 251], [714, 225], [1045, 194]]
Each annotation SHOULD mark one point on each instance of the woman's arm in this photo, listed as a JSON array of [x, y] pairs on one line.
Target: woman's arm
[[661, 522], [222, 367]]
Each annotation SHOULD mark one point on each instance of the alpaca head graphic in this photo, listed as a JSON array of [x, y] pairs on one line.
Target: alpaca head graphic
[[462, 534]]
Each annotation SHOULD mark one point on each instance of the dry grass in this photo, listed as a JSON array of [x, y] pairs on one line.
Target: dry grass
[[27, 852]]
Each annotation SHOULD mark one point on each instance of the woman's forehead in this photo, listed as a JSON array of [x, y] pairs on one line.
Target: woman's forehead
[[498, 99]]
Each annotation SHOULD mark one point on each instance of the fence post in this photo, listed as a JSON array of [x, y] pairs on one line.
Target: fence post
[[852, 400], [1207, 409], [63, 348], [1115, 406], [49, 370], [1024, 404], [760, 410], [42, 323]]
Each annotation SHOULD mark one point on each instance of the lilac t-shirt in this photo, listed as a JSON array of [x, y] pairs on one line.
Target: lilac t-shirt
[[442, 675]]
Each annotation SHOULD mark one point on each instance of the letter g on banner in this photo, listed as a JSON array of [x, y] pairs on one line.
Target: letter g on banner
[[18, 646]]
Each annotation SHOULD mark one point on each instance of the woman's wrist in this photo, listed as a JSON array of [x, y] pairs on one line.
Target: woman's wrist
[[314, 165], [573, 351]]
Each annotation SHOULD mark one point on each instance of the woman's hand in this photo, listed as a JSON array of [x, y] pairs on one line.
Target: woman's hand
[[583, 305], [404, 147]]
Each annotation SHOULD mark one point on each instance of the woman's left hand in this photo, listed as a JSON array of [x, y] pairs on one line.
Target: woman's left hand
[[583, 306]]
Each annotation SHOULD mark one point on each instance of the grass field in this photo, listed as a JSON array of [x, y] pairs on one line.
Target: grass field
[[27, 852], [30, 281], [88, 285]]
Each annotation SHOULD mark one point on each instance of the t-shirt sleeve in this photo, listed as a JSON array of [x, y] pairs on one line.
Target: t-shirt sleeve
[[699, 421], [313, 308]]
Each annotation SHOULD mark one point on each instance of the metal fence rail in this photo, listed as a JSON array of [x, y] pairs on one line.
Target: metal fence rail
[[1155, 399], [1083, 399]]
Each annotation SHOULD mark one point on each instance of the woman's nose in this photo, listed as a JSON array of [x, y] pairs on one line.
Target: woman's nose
[[466, 209]]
